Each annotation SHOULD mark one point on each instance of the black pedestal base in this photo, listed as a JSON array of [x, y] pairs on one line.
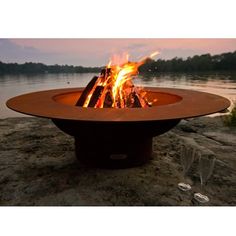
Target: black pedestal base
[[112, 153]]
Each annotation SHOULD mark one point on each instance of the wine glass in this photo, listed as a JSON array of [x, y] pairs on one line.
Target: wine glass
[[206, 166], [187, 155]]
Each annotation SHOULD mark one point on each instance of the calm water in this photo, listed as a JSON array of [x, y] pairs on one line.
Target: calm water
[[10, 86]]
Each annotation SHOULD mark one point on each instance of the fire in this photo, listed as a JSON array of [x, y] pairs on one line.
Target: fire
[[114, 87]]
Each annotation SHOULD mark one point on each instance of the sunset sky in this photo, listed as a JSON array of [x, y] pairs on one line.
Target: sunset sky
[[96, 52]]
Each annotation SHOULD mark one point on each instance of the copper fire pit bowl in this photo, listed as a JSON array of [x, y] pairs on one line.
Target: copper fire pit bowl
[[117, 137]]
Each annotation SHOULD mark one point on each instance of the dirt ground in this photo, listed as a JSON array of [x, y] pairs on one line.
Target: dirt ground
[[38, 167]]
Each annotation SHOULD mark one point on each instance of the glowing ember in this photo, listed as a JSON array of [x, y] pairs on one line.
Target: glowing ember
[[114, 87]]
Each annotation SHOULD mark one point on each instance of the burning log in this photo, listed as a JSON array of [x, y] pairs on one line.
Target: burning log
[[86, 92], [135, 102], [95, 96], [114, 88], [108, 100], [105, 72], [100, 96], [95, 91]]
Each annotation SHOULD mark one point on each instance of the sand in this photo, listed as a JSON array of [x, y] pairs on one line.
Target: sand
[[38, 167]]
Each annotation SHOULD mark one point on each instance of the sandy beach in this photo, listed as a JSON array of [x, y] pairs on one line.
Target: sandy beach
[[38, 167]]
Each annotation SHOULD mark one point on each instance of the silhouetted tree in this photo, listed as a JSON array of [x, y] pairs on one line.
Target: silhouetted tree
[[205, 62]]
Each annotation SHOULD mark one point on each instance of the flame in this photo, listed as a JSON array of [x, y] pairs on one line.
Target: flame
[[154, 54], [115, 83]]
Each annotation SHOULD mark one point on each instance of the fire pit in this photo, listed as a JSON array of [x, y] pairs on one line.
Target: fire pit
[[113, 121], [122, 137]]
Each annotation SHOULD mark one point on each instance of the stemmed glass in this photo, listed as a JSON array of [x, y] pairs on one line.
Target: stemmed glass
[[187, 155], [206, 166]]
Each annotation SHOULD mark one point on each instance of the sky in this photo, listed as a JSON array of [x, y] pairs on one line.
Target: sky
[[97, 52]]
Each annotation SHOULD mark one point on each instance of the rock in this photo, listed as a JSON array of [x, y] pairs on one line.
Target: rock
[[190, 142], [184, 126], [38, 167], [224, 138]]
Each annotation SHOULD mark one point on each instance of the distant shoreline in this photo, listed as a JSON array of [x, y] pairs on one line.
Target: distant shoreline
[[141, 73], [202, 63]]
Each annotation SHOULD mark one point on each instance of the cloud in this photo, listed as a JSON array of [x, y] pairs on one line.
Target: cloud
[[166, 53], [97, 52], [136, 46], [12, 52]]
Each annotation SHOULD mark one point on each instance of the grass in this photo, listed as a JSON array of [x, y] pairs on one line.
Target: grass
[[230, 120]]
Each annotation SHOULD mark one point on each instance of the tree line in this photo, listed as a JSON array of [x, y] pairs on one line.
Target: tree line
[[205, 62], [39, 68]]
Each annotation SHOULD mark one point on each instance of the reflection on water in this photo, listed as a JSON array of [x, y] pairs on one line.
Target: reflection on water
[[223, 84]]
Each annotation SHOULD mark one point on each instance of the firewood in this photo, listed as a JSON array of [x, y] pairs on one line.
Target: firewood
[[86, 91], [96, 95], [108, 100]]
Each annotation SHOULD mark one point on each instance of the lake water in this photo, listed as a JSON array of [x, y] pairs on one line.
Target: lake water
[[223, 84]]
